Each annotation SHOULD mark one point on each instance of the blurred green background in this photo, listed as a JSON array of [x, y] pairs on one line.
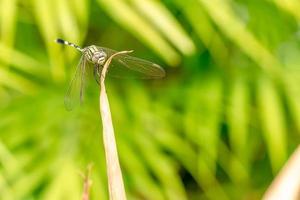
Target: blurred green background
[[220, 125]]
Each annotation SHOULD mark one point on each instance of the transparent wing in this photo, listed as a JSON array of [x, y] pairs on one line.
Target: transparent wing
[[75, 90], [125, 66]]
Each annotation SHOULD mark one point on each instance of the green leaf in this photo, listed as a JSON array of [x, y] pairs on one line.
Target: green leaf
[[205, 30], [129, 19], [273, 123], [17, 82], [160, 16], [50, 31], [238, 119], [290, 6], [8, 19], [223, 15], [202, 120], [22, 61]]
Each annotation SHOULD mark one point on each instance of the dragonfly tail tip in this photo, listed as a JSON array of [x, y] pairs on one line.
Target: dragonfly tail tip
[[61, 41]]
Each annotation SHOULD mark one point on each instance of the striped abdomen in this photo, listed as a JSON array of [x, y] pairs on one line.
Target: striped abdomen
[[61, 41]]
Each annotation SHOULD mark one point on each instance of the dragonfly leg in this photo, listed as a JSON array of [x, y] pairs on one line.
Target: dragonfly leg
[[99, 72], [96, 74]]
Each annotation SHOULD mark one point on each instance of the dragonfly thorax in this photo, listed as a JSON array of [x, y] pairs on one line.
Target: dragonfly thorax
[[95, 55]]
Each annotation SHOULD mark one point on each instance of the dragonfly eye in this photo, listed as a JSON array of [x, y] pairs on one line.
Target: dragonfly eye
[[99, 58]]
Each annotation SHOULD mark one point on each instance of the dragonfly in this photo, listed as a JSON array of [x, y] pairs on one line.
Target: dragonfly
[[95, 57]]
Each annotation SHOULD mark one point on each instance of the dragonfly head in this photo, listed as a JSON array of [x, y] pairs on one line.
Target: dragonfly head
[[95, 55]]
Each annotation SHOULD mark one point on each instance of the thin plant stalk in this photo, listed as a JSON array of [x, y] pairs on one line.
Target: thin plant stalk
[[114, 174], [87, 182]]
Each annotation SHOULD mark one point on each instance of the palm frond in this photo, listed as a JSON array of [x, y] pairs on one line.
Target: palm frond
[[129, 19]]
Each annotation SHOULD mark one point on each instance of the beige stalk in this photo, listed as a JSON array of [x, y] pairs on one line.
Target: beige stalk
[[114, 174]]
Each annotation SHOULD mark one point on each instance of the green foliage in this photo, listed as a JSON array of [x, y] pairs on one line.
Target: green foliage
[[219, 126]]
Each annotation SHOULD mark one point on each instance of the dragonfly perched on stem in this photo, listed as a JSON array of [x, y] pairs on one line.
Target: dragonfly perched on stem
[[97, 56]]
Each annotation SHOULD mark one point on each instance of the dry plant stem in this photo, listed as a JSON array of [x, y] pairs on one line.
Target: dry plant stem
[[287, 183], [114, 174], [87, 182]]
